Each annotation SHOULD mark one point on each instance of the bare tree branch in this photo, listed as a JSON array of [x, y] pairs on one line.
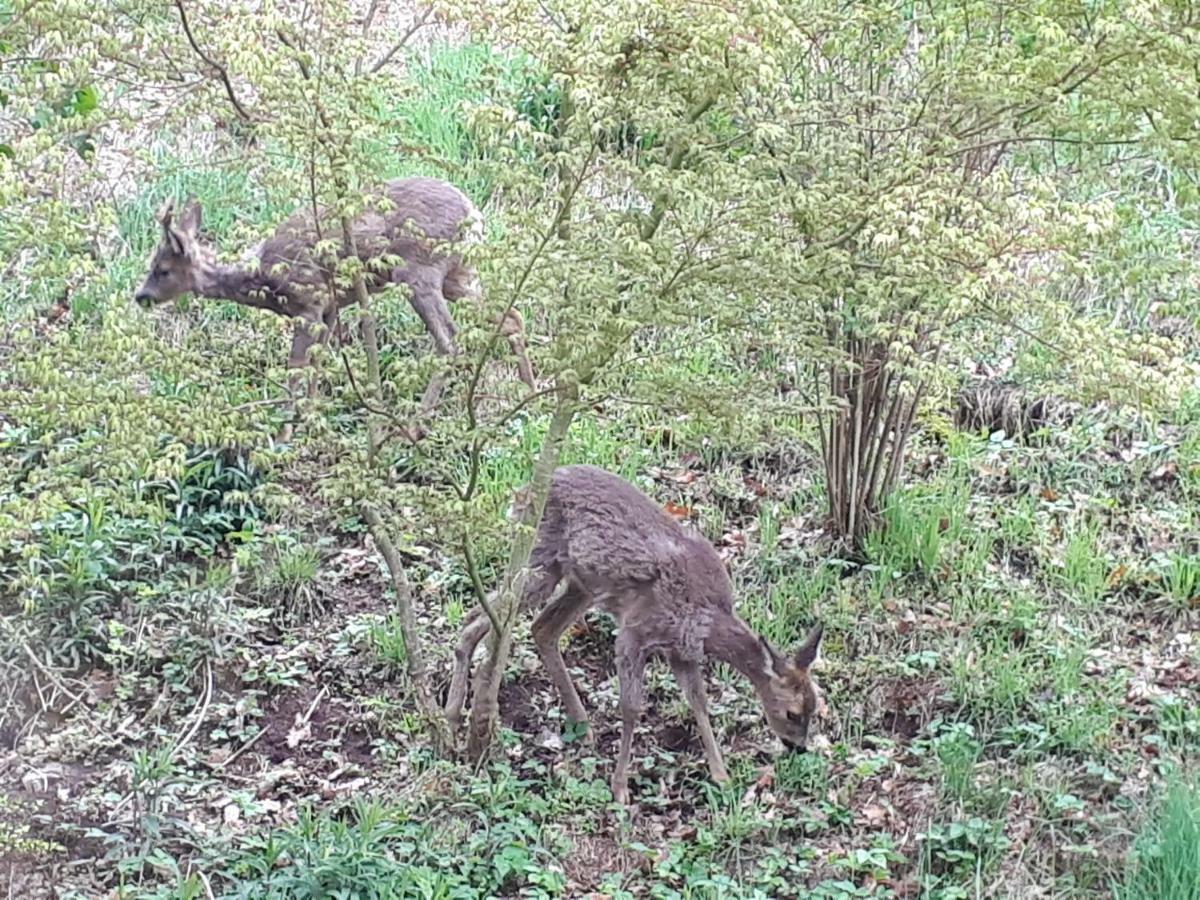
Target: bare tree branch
[[417, 25], [221, 71]]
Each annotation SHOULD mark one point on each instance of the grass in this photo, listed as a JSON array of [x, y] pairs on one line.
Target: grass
[[1167, 854]]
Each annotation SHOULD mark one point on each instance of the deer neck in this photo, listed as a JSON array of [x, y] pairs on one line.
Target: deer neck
[[733, 641], [242, 284]]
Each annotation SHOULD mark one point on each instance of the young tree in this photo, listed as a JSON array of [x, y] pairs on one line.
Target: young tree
[[919, 166], [631, 232]]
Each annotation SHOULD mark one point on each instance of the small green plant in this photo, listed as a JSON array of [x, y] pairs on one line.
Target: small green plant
[[1180, 573], [874, 861], [387, 642], [1018, 522], [917, 527], [1166, 858], [373, 851], [289, 578], [961, 849], [958, 751], [211, 498], [1085, 569]]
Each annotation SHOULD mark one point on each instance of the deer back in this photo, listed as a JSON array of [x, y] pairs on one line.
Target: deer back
[[621, 547], [411, 219]]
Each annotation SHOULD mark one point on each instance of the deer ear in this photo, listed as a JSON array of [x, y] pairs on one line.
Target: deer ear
[[189, 219], [166, 214], [806, 654], [773, 663]]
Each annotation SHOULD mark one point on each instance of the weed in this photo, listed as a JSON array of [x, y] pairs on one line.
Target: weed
[[1166, 858], [1180, 574], [1085, 569], [958, 752], [387, 641]]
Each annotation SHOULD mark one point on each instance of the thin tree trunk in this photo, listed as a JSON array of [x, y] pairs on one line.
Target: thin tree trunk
[[485, 693], [370, 341], [414, 651]]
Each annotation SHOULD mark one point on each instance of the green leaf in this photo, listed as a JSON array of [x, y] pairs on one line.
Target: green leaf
[[85, 100]]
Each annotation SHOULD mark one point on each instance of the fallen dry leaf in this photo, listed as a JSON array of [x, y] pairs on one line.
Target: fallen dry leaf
[[679, 512], [873, 814], [297, 733]]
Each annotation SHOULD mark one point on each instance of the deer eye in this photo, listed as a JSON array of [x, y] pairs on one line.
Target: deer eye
[[161, 273], [795, 716]]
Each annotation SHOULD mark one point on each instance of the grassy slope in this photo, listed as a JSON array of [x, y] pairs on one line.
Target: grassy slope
[[1010, 679]]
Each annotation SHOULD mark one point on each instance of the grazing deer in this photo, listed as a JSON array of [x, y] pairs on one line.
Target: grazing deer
[[402, 238], [610, 546]]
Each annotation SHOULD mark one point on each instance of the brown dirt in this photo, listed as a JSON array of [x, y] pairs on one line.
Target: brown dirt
[[904, 706], [292, 732]]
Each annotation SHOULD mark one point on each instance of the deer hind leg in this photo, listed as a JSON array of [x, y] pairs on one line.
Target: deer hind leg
[[631, 671], [477, 627], [430, 304], [548, 629], [691, 682]]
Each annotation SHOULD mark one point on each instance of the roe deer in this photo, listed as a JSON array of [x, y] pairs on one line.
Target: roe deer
[[611, 546], [402, 238]]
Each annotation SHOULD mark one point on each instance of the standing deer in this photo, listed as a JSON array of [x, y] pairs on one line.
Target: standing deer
[[403, 237], [610, 546]]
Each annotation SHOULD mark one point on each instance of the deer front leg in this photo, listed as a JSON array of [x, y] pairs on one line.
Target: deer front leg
[[631, 670], [303, 339], [430, 304], [691, 681], [547, 629]]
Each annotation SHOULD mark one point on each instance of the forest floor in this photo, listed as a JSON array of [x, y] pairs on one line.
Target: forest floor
[[1009, 678]]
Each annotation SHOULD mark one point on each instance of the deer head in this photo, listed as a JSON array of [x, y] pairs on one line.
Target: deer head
[[176, 261], [788, 692]]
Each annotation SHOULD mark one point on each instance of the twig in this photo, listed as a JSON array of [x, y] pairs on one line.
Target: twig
[[246, 746], [222, 73], [253, 404], [477, 583], [312, 707], [418, 673], [1004, 320], [404, 428], [416, 26], [54, 679], [525, 401], [208, 891], [202, 705], [1046, 139]]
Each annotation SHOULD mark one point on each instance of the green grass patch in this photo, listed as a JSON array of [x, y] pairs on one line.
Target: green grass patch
[[1165, 863]]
